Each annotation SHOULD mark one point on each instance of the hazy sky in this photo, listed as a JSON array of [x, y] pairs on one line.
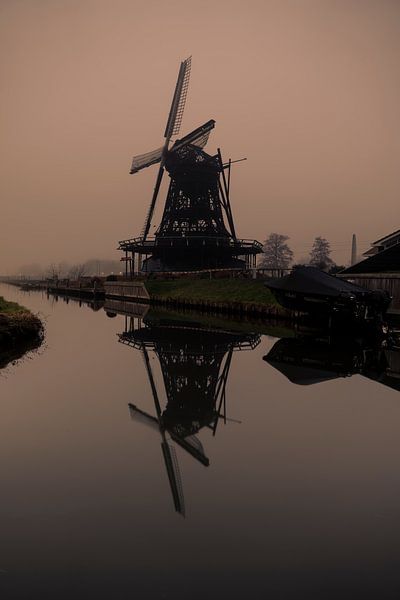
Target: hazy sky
[[307, 90]]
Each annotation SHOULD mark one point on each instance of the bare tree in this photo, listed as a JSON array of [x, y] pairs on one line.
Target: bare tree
[[277, 254], [77, 271], [320, 254], [53, 271], [63, 268]]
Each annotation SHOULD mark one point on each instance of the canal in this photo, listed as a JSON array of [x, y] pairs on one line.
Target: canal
[[159, 455]]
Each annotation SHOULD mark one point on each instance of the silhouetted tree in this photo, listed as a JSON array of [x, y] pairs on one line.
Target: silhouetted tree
[[277, 254], [77, 271], [53, 271], [320, 254]]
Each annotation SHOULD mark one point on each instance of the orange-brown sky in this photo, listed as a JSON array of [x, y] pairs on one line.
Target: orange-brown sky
[[307, 90]]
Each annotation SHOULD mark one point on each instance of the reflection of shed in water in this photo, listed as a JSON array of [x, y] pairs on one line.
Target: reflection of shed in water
[[306, 361], [195, 363]]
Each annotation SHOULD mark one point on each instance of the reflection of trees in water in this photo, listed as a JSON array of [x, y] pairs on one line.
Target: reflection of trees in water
[[195, 363], [95, 305]]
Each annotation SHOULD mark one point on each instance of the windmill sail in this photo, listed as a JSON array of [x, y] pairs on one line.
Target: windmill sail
[[179, 100], [192, 445], [145, 160], [172, 128], [140, 416], [174, 122], [198, 137], [174, 476]]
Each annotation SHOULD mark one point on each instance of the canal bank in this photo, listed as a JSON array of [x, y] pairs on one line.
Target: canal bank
[[229, 295], [20, 331], [225, 296]]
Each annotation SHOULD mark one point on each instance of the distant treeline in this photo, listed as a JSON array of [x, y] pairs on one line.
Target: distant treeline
[[64, 269]]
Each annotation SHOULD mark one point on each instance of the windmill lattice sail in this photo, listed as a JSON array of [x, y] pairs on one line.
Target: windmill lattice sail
[[198, 137], [145, 160], [179, 100], [141, 161]]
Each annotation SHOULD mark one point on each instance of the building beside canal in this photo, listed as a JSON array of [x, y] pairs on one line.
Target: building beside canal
[[380, 269]]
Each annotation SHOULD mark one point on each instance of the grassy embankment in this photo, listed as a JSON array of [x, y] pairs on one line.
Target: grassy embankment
[[240, 295], [20, 331], [11, 308]]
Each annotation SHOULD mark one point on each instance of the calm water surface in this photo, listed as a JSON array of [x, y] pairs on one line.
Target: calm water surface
[[301, 497]]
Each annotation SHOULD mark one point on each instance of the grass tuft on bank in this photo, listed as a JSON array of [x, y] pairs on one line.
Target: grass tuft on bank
[[11, 308], [245, 291], [20, 331]]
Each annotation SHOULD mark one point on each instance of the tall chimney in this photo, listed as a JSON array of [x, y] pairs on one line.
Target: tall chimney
[[353, 250]]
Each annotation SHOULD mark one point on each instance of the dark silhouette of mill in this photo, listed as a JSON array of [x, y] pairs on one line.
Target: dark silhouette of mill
[[195, 361], [197, 230]]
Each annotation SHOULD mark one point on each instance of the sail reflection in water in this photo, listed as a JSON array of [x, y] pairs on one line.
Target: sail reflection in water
[[307, 360], [195, 362]]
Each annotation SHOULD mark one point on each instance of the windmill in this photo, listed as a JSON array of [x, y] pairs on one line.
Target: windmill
[[195, 362], [197, 229]]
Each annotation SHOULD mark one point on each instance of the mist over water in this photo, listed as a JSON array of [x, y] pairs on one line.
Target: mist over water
[[300, 498]]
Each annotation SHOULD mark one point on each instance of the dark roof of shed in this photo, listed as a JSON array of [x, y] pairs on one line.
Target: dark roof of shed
[[387, 261], [385, 237], [310, 280]]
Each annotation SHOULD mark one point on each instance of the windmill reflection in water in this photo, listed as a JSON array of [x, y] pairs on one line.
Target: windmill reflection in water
[[195, 362]]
